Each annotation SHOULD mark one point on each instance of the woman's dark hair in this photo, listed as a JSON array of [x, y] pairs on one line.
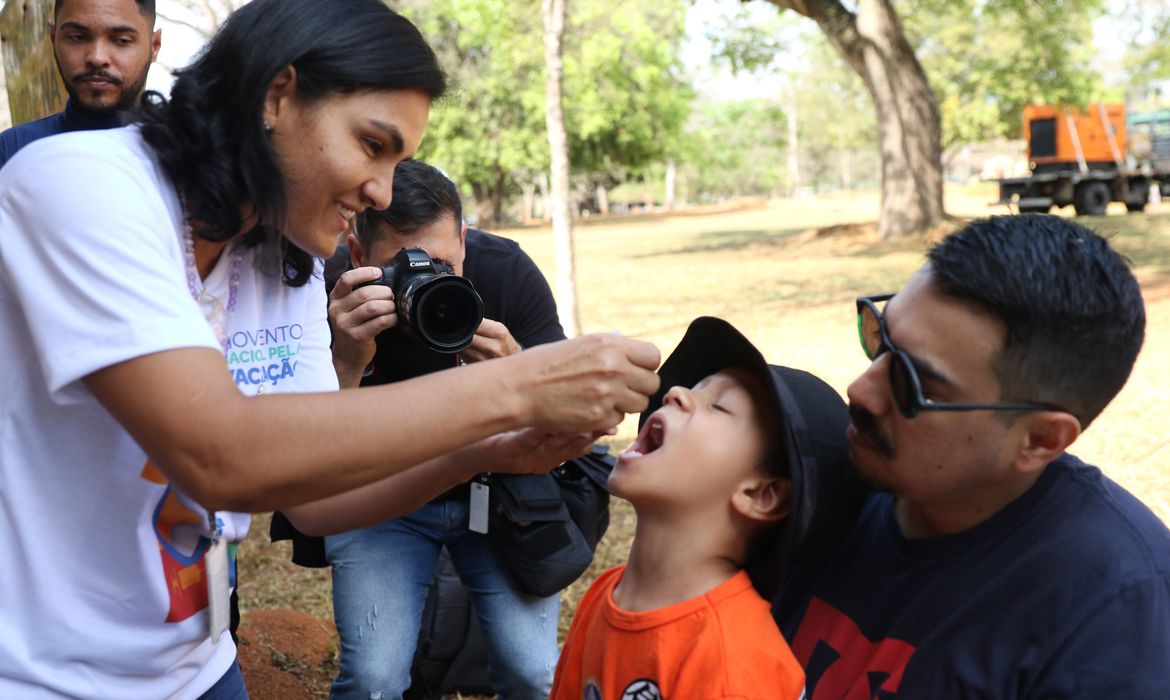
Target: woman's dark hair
[[210, 135]]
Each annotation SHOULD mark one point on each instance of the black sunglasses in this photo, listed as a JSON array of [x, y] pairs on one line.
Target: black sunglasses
[[904, 381]]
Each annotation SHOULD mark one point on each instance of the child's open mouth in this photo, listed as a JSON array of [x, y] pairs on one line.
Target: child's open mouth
[[650, 439]]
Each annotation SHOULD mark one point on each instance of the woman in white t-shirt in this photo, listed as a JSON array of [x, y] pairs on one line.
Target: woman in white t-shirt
[[160, 305]]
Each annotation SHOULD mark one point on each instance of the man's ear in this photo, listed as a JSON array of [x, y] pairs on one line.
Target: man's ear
[[357, 254], [765, 499], [52, 33], [281, 92], [1046, 435], [155, 44]]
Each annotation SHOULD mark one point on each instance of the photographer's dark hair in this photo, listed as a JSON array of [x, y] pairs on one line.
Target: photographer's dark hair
[[210, 135], [421, 194], [146, 7], [1073, 309]]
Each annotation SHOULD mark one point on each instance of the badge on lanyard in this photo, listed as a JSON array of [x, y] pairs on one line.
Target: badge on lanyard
[[218, 568], [477, 518]]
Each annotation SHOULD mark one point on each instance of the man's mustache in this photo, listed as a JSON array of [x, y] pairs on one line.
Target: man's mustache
[[866, 426], [100, 74]]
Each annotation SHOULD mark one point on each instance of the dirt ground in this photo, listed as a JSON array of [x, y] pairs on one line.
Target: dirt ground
[[287, 654]]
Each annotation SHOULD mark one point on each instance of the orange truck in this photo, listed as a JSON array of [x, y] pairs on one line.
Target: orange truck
[[1089, 157]]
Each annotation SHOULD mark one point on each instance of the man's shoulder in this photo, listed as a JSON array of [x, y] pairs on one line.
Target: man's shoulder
[[19, 136], [484, 242], [493, 259], [1109, 525]]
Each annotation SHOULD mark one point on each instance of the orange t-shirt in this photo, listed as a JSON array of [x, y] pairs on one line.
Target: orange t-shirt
[[723, 645]]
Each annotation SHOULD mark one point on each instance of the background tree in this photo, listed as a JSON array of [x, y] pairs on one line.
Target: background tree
[[204, 17], [1146, 25], [986, 61], [33, 84], [553, 12], [872, 42], [625, 95]]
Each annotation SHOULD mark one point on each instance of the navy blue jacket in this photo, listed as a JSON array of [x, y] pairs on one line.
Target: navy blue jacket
[[72, 119]]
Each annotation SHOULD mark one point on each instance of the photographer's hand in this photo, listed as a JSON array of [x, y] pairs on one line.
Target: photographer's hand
[[357, 316], [492, 340], [531, 450]]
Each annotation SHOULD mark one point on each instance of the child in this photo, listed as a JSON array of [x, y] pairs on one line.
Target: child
[[724, 477]]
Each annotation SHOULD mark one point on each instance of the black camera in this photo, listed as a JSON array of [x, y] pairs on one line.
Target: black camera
[[442, 308]]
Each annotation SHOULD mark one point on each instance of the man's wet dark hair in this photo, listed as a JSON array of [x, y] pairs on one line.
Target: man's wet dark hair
[[421, 195], [146, 7], [210, 135], [1072, 307]]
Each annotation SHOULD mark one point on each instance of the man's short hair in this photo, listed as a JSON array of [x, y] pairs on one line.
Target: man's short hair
[[146, 7], [421, 195], [1072, 307]]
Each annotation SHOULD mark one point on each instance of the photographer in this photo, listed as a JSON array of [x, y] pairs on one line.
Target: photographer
[[388, 567]]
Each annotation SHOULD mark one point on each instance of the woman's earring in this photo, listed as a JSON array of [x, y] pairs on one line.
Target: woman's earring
[[267, 127]]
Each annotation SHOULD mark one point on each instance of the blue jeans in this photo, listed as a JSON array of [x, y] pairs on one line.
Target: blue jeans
[[229, 687], [380, 580]]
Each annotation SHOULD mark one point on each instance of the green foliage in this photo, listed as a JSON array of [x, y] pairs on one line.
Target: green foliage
[[493, 120], [837, 123], [987, 60], [1147, 60], [625, 95], [739, 149]]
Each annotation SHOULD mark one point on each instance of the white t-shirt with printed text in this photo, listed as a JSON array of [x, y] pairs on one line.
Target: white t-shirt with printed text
[[101, 561]]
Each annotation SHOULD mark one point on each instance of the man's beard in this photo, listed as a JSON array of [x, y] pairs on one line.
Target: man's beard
[[127, 94]]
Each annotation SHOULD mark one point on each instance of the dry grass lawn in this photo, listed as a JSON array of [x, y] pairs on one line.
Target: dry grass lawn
[[763, 268]]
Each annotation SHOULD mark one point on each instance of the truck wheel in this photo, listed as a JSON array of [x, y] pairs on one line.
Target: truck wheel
[[1092, 198], [1139, 196]]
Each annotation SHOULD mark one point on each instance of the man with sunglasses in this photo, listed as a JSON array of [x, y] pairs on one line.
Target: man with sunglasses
[[989, 562]]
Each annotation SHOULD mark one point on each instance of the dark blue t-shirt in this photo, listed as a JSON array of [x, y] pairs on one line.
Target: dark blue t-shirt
[[1065, 593], [16, 138]]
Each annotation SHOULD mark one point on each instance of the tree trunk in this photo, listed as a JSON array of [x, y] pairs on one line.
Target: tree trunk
[[485, 208], [527, 202], [566, 273], [498, 194], [545, 197], [846, 170], [602, 198], [793, 146], [909, 131], [668, 198], [33, 82]]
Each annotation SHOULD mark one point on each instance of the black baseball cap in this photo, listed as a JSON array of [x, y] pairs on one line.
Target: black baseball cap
[[827, 494]]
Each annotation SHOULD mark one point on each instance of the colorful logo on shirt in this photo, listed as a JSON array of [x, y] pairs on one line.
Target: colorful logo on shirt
[[642, 689], [178, 526], [266, 356], [841, 662]]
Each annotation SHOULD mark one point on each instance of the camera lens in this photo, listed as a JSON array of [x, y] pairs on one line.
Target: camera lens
[[445, 312]]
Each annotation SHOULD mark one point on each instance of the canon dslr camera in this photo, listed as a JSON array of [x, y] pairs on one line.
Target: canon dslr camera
[[442, 308]]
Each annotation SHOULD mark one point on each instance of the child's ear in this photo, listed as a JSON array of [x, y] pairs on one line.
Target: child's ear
[[763, 498]]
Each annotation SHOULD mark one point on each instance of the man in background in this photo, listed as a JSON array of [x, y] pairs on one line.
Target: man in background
[[104, 49]]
